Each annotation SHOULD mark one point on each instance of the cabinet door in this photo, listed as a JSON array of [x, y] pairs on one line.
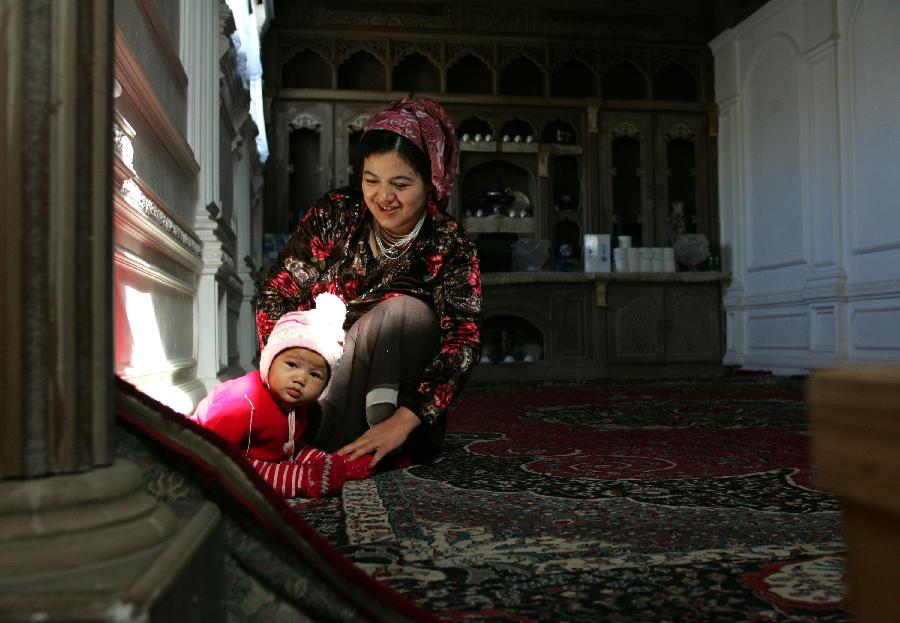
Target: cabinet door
[[680, 191], [635, 323], [626, 173], [300, 160], [694, 321], [573, 334]]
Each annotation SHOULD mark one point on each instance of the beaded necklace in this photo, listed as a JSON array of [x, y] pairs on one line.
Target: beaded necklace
[[392, 246]]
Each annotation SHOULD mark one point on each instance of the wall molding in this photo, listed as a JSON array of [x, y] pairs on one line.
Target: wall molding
[[135, 197], [858, 245], [132, 77], [874, 289], [823, 327], [164, 42], [175, 365], [784, 261], [799, 315], [754, 260], [886, 341], [126, 259]]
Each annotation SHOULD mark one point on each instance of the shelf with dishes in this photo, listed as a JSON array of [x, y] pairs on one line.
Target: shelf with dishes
[[520, 188], [511, 147], [499, 224]]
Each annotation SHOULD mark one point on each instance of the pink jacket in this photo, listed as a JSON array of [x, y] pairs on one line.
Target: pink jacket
[[244, 413]]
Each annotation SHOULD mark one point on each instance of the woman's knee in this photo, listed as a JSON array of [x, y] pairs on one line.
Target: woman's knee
[[410, 312], [405, 315]]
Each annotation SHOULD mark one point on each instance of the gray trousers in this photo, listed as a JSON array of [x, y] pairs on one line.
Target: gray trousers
[[385, 353]]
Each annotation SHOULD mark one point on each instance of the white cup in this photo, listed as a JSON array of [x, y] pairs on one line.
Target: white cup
[[646, 260], [634, 259], [625, 242]]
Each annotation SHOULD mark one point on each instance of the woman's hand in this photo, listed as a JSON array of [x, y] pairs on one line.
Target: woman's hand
[[384, 437]]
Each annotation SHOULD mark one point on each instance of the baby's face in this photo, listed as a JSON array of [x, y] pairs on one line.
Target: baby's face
[[297, 376]]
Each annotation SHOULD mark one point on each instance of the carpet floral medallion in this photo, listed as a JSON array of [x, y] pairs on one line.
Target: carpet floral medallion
[[672, 501]]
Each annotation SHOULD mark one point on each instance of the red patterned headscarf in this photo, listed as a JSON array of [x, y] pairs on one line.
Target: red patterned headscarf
[[427, 125]]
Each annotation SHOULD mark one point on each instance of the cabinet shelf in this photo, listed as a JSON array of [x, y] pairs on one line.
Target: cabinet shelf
[[498, 224], [519, 148], [481, 146], [557, 148]]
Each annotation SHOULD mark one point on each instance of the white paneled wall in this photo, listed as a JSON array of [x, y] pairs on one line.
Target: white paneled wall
[[809, 168], [187, 236]]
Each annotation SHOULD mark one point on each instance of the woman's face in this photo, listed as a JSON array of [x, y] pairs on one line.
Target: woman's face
[[395, 194]]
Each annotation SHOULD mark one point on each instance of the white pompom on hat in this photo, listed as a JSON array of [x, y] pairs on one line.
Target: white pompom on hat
[[320, 329]]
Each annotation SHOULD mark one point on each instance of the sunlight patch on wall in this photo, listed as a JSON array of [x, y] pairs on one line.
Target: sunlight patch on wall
[[148, 355]]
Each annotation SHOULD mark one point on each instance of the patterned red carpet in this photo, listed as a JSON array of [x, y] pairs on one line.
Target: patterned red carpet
[[673, 501]]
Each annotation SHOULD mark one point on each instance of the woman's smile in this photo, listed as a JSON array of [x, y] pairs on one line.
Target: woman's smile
[[394, 193]]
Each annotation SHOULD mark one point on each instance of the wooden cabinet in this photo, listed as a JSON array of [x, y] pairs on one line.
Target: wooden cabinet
[[662, 329], [618, 136], [654, 171], [571, 326], [538, 330], [536, 154], [299, 169]]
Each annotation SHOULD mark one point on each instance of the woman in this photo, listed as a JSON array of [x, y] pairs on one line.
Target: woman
[[410, 277]]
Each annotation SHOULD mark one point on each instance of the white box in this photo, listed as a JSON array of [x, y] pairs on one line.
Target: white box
[[620, 260], [597, 253]]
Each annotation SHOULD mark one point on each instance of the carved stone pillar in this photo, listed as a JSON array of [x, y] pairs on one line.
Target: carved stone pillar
[[200, 56], [55, 140], [246, 208], [205, 29], [78, 536]]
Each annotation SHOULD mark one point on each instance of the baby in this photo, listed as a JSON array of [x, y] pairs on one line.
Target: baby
[[264, 412]]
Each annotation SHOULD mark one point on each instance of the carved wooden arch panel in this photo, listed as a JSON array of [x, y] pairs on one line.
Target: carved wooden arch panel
[[534, 315], [637, 334], [323, 46], [431, 50], [484, 52], [345, 48], [520, 126], [326, 73], [588, 56], [476, 124], [535, 318], [304, 121], [675, 79], [625, 129], [358, 123], [639, 58], [509, 53], [690, 62], [680, 130]]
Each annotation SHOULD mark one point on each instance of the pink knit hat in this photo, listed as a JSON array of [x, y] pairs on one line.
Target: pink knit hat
[[320, 329]]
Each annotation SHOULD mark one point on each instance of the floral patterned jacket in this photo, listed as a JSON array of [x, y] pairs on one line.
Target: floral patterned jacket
[[329, 252]]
